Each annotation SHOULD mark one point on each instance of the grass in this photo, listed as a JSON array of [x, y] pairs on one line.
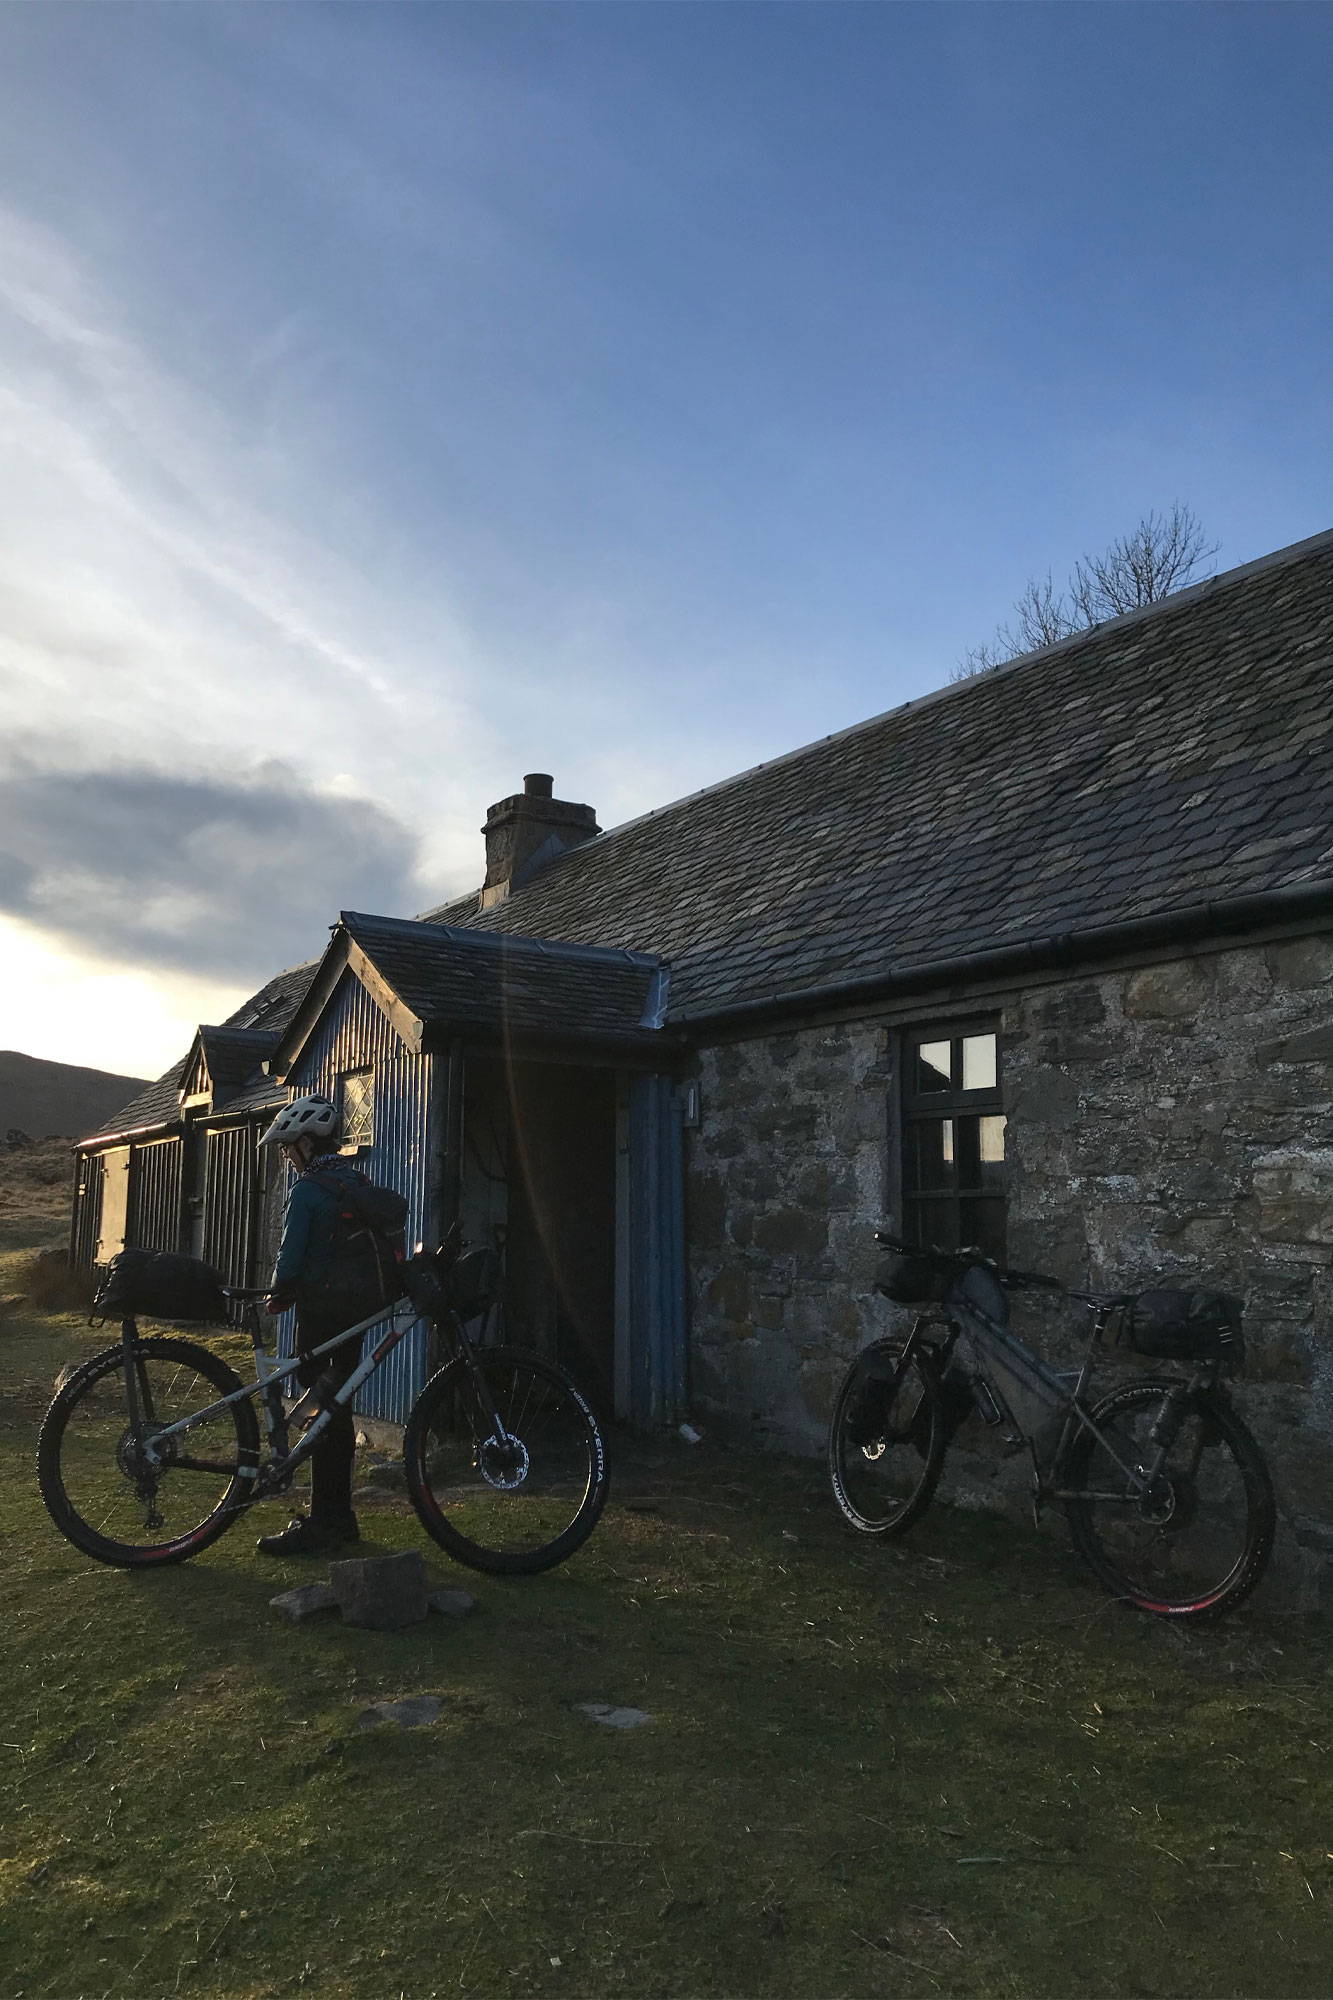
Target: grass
[[950, 1767], [35, 1194]]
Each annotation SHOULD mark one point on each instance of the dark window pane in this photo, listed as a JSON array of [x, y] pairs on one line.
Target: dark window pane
[[980, 1071], [969, 1164], [930, 1155], [933, 1066], [933, 1224], [981, 1223]]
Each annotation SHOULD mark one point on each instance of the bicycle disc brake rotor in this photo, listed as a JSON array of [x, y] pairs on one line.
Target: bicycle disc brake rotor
[[503, 1463], [1170, 1503]]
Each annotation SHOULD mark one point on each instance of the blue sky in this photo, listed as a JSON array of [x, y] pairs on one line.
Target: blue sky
[[396, 399]]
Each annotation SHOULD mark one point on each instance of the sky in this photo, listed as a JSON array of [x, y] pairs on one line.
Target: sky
[[398, 399]]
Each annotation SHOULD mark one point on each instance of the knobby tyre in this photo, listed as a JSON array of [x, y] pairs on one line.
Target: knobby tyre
[[887, 1440], [96, 1481], [1199, 1541], [515, 1504]]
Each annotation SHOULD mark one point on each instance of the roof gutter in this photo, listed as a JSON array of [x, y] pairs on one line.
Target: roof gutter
[[167, 1124], [1235, 913]]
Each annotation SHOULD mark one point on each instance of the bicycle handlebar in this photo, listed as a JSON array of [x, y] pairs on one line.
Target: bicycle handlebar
[[1019, 1280], [1015, 1279]]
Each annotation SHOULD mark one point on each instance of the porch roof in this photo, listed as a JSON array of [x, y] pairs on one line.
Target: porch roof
[[436, 980]]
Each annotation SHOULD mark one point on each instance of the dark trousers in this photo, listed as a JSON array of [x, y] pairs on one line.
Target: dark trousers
[[335, 1448]]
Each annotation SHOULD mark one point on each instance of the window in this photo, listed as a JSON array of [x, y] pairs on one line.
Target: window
[[953, 1140], [357, 1106]]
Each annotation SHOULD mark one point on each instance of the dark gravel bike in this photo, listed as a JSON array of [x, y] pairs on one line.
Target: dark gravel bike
[[152, 1449], [1167, 1495]]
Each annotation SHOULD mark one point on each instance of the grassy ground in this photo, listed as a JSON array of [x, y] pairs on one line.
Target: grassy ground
[[946, 1768]]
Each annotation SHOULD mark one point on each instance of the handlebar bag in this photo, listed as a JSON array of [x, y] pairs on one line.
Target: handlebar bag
[[909, 1280], [472, 1282], [1187, 1326], [160, 1285]]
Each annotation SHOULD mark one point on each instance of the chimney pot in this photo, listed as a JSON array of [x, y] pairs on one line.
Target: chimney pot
[[528, 831]]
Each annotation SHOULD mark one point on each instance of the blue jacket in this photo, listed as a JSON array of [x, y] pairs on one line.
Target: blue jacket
[[308, 1232]]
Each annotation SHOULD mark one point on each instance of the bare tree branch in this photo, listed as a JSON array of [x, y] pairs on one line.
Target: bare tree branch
[[1162, 554]]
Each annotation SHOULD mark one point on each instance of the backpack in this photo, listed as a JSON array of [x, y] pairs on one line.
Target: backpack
[[369, 1243]]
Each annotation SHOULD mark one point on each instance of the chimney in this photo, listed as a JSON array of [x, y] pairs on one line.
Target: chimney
[[526, 831]]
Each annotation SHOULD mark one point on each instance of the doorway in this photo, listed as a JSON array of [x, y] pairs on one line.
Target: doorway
[[539, 1186]]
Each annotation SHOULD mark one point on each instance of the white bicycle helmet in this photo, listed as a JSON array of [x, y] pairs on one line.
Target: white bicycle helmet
[[303, 1118]]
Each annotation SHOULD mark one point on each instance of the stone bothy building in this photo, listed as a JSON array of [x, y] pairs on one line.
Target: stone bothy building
[[1042, 961]]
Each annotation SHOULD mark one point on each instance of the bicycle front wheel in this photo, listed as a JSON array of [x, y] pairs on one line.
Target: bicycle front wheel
[[1198, 1539], [514, 1496], [887, 1440], [118, 1490]]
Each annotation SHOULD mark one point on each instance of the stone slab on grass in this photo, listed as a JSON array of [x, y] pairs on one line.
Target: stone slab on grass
[[381, 1593], [412, 1711], [452, 1603], [612, 1717], [308, 1600]]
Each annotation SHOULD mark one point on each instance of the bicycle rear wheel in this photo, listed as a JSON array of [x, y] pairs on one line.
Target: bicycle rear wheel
[[887, 1440], [511, 1504], [1199, 1539], [98, 1475]]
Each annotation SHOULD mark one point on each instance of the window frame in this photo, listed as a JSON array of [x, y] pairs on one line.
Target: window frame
[[348, 1143], [915, 1108]]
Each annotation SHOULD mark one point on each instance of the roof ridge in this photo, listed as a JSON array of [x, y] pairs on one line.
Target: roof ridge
[[952, 690], [507, 940]]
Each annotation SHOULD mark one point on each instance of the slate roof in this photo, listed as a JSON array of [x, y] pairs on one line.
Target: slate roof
[[472, 980], [234, 1054], [1178, 757], [274, 1004], [158, 1104]]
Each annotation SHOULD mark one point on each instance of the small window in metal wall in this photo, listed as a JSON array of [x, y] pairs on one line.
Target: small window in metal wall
[[356, 1104]]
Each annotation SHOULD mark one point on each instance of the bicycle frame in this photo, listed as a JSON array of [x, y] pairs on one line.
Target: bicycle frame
[[283, 1462], [963, 1316]]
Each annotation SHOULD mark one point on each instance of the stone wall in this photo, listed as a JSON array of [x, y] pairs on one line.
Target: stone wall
[[1177, 1122], [1173, 1122], [785, 1186]]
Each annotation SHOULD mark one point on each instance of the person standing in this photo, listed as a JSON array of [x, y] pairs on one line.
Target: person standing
[[308, 1131]]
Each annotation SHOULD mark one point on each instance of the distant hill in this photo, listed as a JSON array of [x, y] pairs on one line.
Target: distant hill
[[44, 1098]]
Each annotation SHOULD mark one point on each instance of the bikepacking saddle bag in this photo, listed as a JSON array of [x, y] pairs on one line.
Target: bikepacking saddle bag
[[369, 1247], [160, 1285], [1187, 1326]]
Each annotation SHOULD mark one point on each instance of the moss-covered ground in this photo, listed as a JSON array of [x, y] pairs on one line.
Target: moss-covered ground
[[947, 1767]]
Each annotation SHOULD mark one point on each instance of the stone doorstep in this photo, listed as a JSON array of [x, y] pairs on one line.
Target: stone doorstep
[[382, 1593], [308, 1600], [379, 1593]]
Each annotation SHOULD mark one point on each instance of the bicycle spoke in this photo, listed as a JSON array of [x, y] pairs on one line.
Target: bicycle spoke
[[122, 1490], [505, 1496]]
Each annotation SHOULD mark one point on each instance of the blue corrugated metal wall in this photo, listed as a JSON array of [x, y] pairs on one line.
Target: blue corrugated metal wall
[[355, 1034], [656, 1248]]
